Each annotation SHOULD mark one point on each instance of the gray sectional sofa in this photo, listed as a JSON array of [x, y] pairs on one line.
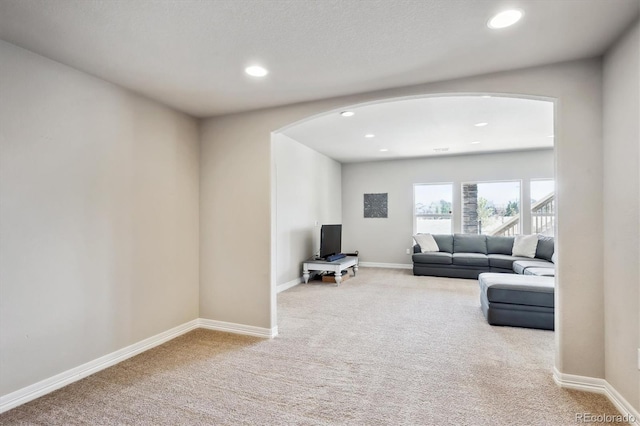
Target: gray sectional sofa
[[514, 291], [468, 255]]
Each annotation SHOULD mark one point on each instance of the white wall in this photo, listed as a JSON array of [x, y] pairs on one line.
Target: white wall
[[308, 191], [621, 207], [236, 158], [386, 240], [98, 217]]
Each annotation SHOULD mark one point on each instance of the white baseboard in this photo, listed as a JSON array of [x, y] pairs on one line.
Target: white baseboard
[[231, 327], [43, 387], [386, 265], [286, 286], [46, 386], [601, 386]]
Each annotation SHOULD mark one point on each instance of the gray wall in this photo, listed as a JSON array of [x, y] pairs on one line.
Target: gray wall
[[236, 157], [386, 240], [308, 191], [621, 207], [98, 217]]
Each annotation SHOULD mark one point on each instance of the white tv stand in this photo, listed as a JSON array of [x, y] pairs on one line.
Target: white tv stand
[[336, 267]]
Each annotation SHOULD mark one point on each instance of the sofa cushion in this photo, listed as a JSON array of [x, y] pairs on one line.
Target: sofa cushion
[[525, 245], [469, 243], [545, 247], [499, 245], [439, 258], [518, 289], [426, 243], [519, 266], [470, 259], [503, 261], [445, 242], [541, 272]]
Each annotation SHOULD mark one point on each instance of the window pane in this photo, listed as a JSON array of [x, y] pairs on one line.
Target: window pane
[[432, 210], [433, 199], [491, 208], [433, 225], [543, 206]]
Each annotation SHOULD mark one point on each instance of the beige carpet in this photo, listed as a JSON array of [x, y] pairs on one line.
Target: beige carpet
[[384, 348]]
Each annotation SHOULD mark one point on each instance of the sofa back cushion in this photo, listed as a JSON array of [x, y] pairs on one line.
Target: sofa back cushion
[[499, 245], [469, 243], [445, 242], [545, 247]]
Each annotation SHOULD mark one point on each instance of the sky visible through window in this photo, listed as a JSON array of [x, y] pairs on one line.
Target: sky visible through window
[[500, 193], [427, 194], [541, 188]]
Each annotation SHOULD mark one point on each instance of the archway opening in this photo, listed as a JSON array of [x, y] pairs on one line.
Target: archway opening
[[324, 164]]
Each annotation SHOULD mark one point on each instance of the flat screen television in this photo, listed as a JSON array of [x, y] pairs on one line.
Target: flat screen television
[[330, 240]]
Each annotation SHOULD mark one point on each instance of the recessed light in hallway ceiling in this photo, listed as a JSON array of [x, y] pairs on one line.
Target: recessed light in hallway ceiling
[[256, 71], [505, 19]]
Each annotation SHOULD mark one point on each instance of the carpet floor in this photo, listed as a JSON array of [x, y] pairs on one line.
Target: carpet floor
[[384, 348]]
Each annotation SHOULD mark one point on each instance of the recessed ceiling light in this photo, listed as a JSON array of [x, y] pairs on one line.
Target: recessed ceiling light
[[347, 113], [485, 96], [505, 19], [475, 142], [256, 71], [369, 135], [480, 124], [383, 150]]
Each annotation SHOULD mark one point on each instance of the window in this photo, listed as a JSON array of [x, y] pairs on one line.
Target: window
[[432, 208], [491, 208], [543, 206]]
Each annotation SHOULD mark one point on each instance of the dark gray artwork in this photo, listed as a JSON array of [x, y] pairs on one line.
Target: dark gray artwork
[[375, 205]]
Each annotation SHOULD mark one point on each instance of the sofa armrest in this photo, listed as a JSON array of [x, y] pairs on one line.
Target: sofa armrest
[[417, 248]]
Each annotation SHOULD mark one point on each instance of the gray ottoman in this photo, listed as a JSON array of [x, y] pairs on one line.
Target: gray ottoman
[[517, 300]]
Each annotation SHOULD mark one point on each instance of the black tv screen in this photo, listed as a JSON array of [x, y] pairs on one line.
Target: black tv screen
[[330, 240]]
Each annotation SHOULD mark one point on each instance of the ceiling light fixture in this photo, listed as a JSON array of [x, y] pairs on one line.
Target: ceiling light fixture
[[505, 19], [475, 142], [347, 113], [480, 124], [485, 96], [369, 135], [256, 71], [383, 150]]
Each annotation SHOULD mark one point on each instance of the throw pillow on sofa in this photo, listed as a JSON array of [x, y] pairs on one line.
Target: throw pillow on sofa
[[426, 242], [525, 246]]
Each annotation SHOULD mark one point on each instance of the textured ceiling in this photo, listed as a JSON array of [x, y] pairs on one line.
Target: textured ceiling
[[190, 54], [430, 127]]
